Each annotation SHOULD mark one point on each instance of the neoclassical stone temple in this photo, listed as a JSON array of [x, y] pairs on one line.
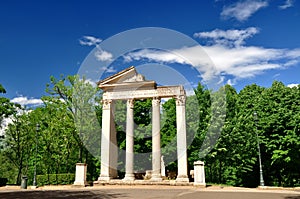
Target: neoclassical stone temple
[[129, 85]]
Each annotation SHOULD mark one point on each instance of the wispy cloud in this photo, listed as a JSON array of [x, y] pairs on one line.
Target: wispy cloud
[[156, 55], [229, 56], [90, 41], [25, 101], [109, 69], [102, 55], [242, 10], [228, 37], [287, 4]]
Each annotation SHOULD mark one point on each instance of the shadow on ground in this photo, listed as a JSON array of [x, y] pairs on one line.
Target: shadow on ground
[[59, 194], [292, 197]]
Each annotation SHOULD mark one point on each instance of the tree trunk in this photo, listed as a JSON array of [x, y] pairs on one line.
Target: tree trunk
[[80, 154], [18, 181]]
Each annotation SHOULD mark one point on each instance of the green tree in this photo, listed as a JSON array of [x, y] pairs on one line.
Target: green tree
[[279, 124], [7, 108], [80, 98], [19, 144]]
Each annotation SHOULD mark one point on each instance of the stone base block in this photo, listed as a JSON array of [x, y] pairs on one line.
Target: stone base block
[[129, 177], [182, 179], [104, 178], [201, 185], [156, 178], [81, 184]]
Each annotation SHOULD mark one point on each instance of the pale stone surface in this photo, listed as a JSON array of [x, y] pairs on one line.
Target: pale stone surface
[[160, 91], [108, 143], [199, 173], [156, 151], [162, 166], [148, 174], [128, 84], [80, 175], [181, 140], [129, 175]]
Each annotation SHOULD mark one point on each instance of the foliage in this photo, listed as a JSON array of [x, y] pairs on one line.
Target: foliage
[[70, 121], [7, 108], [55, 179]]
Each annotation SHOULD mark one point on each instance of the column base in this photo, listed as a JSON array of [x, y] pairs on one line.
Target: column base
[[199, 184], [182, 178], [81, 184], [104, 178], [156, 178], [129, 177]]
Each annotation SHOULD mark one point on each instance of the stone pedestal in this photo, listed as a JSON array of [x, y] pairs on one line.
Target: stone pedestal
[[199, 174], [80, 175]]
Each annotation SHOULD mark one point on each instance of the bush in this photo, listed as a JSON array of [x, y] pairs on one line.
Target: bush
[[3, 181], [55, 179]]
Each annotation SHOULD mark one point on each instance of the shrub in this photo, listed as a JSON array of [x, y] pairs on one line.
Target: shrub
[[55, 179], [3, 181]]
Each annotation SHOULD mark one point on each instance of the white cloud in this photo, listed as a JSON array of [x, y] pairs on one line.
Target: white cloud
[[91, 82], [25, 101], [10, 120], [242, 10], [90, 41], [238, 61], [292, 85], [160, 56], [228, 37], [4, 125], [109, 69], [102, 55], [287, 4]]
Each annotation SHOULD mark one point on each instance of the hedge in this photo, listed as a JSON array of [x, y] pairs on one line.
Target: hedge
[[55, 179], [3, 181]]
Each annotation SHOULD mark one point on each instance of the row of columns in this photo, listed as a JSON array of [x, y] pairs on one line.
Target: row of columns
[[109, 146]]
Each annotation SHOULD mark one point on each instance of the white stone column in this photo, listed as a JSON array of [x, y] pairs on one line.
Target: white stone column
[[156, 153], [129, 175], [162, 167], [182, 174], [108, 139], [199, 174], [113, 157]]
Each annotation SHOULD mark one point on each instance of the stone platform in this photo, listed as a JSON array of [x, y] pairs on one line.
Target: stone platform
[[142, 182]]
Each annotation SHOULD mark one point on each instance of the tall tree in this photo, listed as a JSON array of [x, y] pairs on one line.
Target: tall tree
[[19, 144], [80, 98], [7, 108]]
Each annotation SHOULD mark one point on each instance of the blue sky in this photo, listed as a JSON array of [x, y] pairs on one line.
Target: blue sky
[[249, 41]]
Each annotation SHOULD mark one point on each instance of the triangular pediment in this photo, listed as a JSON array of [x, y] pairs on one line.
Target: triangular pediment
[[128, 78]]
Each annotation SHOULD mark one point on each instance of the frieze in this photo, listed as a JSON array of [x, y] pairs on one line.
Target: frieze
[[164, 91]]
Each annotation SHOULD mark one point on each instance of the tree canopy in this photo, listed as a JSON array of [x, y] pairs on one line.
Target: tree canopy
[[70, 129]]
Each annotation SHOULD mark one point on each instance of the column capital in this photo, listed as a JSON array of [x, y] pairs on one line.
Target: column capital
[[156, 101], [130, 103], [106, 103], [180, 100]]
